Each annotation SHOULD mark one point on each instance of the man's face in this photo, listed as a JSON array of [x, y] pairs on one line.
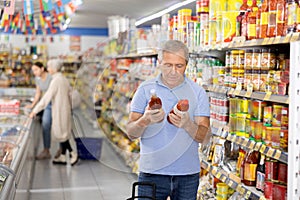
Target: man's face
[[173, 67]]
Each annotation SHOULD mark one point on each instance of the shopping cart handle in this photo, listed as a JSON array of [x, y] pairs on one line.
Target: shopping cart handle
[[135, 184]]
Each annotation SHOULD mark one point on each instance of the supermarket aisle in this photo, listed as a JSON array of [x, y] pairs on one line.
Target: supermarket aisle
[[107, 179]]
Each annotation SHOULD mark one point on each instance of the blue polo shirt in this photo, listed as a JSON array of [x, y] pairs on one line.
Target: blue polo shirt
[[164, 148]]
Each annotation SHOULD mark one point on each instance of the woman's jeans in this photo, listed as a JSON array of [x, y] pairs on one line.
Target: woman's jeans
[[46, 125], [182, 187]]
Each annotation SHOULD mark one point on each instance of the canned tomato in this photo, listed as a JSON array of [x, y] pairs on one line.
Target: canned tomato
[[279, 192], [282, 173], [268, 190], [271, 169]]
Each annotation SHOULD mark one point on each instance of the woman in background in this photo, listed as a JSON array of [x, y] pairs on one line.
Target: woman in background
[[42, 81], [58, 93]]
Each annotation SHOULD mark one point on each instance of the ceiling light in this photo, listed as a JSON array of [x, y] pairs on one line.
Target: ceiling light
[[162, 12]]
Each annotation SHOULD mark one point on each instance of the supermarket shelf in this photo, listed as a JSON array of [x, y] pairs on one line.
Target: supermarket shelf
[[258, 146], [239, 42], [136, 55], [232, 181], [248, 94]]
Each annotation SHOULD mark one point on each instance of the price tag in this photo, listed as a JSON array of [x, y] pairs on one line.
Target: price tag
[[277, 154], [245, 142], [249, 90], [265, 41], [251, 145], [238, 189], [287, 101], [253, 42], [270, 152], [238, 89], [287, 38], [214, 171], [271, 40], [257, 146], [239, 140], [230, 91], [277, 40], [295, 37], [223, 179], [248, 194], [262, 198], [267, 96], [263, 148], [219, 131], [218, 175], [230, 183]]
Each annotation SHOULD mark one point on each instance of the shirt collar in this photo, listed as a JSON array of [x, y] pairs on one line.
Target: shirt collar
[[159, 81]]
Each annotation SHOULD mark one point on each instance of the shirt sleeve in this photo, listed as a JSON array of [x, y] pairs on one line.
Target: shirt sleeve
[[139, 101], [203, 107], [47, 97]]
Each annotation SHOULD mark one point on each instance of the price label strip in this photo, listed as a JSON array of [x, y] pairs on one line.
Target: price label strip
[[245, 142], [238, 89], [249, 90], [277, 154], [230, 91], [251, 145], [247, 195], [287, 38], [271, 40], [257, 146], [267, 96], [263, 148], [270, 152], [265, 41], [295, 37], [287, 101], [218, 175], [230, 183], [277, 40], [223, 178]]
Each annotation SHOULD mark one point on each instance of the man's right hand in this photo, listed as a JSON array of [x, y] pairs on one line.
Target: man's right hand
[[154, 116]]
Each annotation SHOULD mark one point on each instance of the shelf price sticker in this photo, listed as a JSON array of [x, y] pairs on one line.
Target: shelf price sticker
[[249, 90], [238, 88], [287, 38], [218, 175], [223, 179], [295, 37], [251, 145], [287, 100], [257, 146], [277, 154], [267, 96], [271, 40], [263, 148], [270, 152], [277, 40], [247, 195], [230, 183], [245, 142], [262, 198], [230, 91], [265, 41], [240, 189]]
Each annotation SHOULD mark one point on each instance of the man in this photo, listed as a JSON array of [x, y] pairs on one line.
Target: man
[[169, 152]]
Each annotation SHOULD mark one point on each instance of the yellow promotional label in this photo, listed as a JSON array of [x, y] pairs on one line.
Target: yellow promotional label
[[252, 30], [298, 15], [233, 5], [250, 172], [264, 18], [229, 25]]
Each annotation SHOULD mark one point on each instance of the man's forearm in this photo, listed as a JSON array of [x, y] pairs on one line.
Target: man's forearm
[[198, 132], [136, 128]]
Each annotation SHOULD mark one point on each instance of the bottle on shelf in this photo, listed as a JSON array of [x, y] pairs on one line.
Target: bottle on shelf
[[243, 9], [252, 17], [272, 18], [155, 101], [264, 19], [250, 166], [181, 106], [260, 174]]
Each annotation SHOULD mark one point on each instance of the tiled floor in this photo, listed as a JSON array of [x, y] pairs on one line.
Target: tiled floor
[[106, 179]]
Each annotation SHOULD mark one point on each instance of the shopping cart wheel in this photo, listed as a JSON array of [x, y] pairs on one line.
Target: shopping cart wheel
[[135, 184]]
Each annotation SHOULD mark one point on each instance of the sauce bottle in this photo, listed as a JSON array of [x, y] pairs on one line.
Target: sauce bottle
[[264, 16], [155, 101], [251, 25], [280, 17], [260, 174], [250, 165], [243, 9], [272, 18], [181, 106]]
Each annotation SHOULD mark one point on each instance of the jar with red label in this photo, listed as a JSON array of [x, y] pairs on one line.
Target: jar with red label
[[268, 190], [279, 192]]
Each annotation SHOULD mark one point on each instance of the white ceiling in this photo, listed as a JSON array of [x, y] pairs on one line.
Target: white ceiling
[[94, 13]]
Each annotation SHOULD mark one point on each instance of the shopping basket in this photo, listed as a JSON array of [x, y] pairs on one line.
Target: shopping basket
[[88, 148], [143, 184]]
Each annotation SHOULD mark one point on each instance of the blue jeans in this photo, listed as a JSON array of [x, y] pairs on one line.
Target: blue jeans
[[46, 125], [181, 187]]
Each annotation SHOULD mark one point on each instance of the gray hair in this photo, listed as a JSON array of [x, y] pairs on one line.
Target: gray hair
[[55, 64], [175, 47]]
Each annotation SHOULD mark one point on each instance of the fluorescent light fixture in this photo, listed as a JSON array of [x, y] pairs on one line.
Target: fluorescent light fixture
[[162, 12]]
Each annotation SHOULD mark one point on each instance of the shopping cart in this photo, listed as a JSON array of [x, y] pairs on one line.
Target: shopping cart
[[143, 184]]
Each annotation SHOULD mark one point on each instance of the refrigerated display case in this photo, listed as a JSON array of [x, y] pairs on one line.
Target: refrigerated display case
[[18, 143]]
